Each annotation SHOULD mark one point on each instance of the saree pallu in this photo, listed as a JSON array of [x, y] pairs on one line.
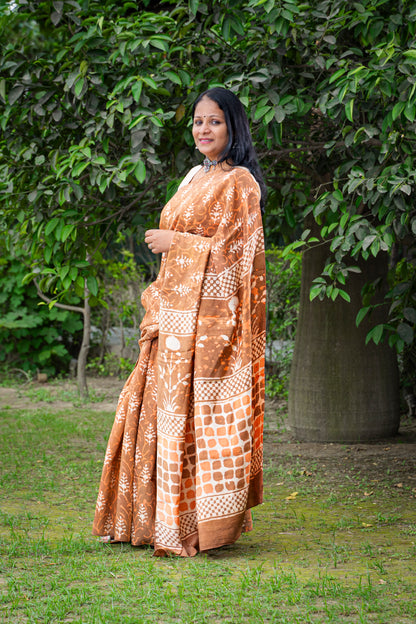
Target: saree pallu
[[183, 465]]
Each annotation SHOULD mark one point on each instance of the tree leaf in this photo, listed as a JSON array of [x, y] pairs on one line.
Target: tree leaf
[[398, 109], [140, 171], [406, 333], [375, 334], [362, 313], [92, 285], [66, 231], [193, 6], [56, 17], [410, 314], [349, 110], [79, 85], [411, 55], [51, 225], [173, 77], [15, 93]]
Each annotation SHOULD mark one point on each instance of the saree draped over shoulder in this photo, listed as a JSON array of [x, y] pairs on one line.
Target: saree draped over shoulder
[[183, 464]]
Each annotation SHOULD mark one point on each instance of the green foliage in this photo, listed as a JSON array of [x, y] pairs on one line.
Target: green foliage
[[402, 299], [402, 307], [402, 296], [111, 366], [95, 117], [277, 377], [283, 294], [122, 282], [80, 125], [32, 335]]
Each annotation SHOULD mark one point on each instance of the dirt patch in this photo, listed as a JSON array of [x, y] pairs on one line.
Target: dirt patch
[[61, 395], [391, 460]]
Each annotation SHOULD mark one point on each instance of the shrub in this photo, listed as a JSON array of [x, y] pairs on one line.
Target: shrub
[[283, 293], [32, 336]]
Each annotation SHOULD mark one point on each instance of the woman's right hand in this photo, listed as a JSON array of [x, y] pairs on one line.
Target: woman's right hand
[[158, 241]]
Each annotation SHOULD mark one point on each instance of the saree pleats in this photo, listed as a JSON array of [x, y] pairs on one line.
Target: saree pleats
[[125, 506], [184, 458]]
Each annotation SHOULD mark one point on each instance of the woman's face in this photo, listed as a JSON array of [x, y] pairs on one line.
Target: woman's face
[[209, 128]]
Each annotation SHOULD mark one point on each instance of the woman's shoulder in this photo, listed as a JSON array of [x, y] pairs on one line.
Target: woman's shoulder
[[189, 176], [242, 175]]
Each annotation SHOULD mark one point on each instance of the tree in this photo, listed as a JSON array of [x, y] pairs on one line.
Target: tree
[[367, 109], [76, 145], [341, 389], [101, 108]]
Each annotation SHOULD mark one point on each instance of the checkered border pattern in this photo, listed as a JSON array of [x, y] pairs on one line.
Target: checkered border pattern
[[169, 538], [170, 424], [188, 524], [250, 250], [259, 346], [225, 388], [226, 283], [177, 322], [259, 242], [256, 461], [223, 505]]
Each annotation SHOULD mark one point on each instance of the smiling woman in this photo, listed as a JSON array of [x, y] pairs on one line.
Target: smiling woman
[[184, 460], [209, 129]]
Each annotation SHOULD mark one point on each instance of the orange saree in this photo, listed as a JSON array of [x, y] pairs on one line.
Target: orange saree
[[183, 464]]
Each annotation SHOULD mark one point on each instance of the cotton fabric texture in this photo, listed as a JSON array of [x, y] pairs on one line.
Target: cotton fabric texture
[[183, 464]]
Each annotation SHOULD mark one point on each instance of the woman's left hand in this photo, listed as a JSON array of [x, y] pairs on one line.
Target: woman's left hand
[[158, 241]]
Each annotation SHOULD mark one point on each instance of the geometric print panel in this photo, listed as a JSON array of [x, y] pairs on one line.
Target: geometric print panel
[[174, 321], [226, 283], [220, 506], [256, 461], [170, 424], [258, 346], [250, 250], [188, 524], [164, 536], [223, 389]]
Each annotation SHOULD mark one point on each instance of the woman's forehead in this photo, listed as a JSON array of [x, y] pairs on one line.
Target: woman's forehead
[[208, 108]]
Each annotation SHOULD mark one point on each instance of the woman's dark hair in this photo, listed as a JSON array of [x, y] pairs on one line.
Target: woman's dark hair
[[239, 150]]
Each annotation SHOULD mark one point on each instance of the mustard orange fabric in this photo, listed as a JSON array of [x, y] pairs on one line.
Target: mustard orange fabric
[[183, 464]]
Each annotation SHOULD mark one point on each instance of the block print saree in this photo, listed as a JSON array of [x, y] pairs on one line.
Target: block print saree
[[183, 464]]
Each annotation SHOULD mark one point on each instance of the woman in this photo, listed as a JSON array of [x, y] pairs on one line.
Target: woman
[[184, 460]]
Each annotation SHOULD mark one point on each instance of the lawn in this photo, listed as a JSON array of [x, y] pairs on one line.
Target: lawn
[[335, 540]]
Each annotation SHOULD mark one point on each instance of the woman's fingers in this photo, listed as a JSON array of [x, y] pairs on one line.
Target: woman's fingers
[[158, 241]]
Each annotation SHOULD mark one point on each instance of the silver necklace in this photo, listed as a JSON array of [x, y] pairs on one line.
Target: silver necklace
[[208, 164]]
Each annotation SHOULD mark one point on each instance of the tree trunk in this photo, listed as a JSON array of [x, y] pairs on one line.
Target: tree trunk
[[83, 352], [341, 390], [86, 336]]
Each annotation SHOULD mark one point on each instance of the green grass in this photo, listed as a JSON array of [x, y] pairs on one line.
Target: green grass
[[333, 552], [54, 391]]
